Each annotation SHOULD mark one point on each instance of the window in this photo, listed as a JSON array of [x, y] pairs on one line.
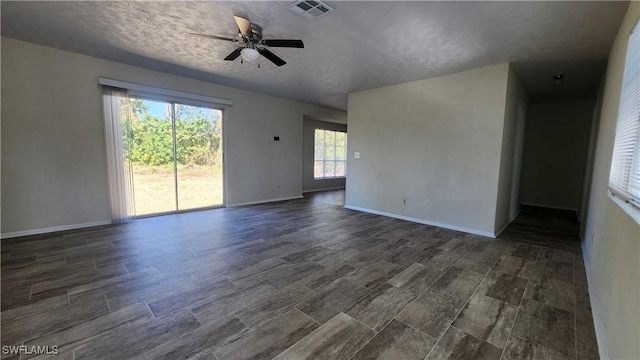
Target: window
[[624, 178], [330, 156]]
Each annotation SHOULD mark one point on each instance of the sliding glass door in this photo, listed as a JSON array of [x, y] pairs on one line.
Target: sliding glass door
[[151, 156], [175, 153], [198, 156]]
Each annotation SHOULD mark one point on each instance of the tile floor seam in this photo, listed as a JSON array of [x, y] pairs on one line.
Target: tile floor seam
[[194, 316], [304, 337], [464, 306], [304, 286], [450, 325], [367, 342], [149, 308], [243, 323], [533, 341], [224, 276], [529, 281], [107, 300], [327, 290], [414, 300], [546, 347], [409, 326], [478, 287], [300, 302], [514, 321], [360, 286], [194, 277], [309, 316], [395, 317], [163, 344], [473, 336], [359, 322]]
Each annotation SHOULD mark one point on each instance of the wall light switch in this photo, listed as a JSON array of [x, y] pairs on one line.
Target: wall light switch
[[356, 154]]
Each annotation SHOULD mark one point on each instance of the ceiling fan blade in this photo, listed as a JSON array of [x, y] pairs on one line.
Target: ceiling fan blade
[[234, 55], [271, 56], [288, 43], [244, 26], [213, 37]]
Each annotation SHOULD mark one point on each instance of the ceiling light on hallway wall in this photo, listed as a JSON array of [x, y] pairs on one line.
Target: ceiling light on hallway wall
[[249, 54], [557, 79]]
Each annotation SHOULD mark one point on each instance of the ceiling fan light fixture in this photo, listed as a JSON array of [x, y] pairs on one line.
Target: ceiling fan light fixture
[[249, 54], [557, 79]]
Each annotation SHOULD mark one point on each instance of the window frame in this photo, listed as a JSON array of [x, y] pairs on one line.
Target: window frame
[[324, 161], [624, 172]]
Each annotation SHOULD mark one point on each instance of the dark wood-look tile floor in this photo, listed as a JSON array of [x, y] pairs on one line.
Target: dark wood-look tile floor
[[554, 228], [303, 279]]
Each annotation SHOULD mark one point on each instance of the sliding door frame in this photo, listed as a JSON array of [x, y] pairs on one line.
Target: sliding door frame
[[173, 102]]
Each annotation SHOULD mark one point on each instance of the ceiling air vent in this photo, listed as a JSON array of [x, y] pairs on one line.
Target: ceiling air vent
[[310, 9]]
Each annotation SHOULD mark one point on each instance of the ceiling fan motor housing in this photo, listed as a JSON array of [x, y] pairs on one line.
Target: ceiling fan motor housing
[[256, 30]]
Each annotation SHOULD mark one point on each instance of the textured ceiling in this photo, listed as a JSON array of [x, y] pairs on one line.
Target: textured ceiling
[[362, 45]]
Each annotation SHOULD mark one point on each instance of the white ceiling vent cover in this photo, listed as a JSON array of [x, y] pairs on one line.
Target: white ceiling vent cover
[[310, 9]]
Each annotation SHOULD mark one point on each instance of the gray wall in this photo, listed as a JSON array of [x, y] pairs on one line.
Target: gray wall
[[611, 244], [308, 138], [54, 172], [435, 142], [511, 156], [585, 199], [555, 153]]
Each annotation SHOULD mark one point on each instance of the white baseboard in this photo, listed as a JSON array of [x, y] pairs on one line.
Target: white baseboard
[[265, 201], [54, 229], [601, 338], [550, 207], [323, 189], [423, 221], [508, 223]]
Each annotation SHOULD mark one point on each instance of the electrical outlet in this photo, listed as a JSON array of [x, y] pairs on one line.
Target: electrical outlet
[[404, 201], [278, 187]]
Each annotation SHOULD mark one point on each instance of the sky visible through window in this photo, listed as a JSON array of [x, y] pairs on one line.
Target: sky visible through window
[[156, 108]]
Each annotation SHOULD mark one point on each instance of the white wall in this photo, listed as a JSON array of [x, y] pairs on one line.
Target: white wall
[[54, 172], [308, 142], [611, 244], [515, 113], [555, 153], [435, 142]]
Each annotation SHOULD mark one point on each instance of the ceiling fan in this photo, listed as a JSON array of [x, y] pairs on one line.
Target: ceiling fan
[[250, 37]]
